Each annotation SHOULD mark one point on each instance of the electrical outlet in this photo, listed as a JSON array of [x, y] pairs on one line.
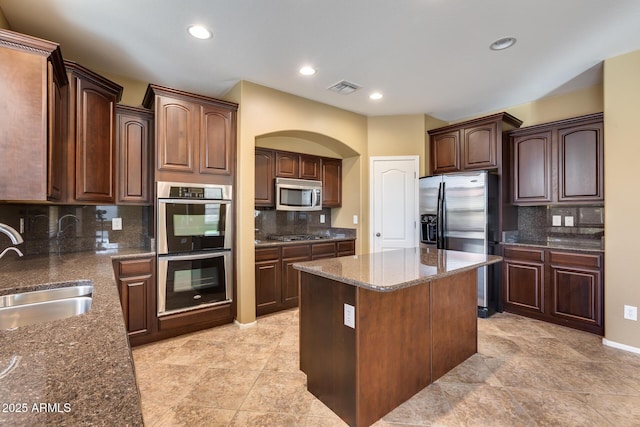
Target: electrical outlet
[[350, 316], [355, 219], [556, 220], [630, 312], [116, 223], [21, 225], [322, 219], [568, 221]]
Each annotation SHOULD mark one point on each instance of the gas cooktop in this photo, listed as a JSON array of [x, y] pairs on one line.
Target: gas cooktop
[[295, 237]]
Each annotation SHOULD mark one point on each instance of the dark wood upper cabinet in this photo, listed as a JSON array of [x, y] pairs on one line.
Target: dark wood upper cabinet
[[480, 150], [472, 145], [195, 136], [532, 168], [331, 183], [309, 167], [135, 133], [264, 177], [580, 162], [33, 85], [284, 164], [559, 162], [445, 152], [91, 142], [287, 164]]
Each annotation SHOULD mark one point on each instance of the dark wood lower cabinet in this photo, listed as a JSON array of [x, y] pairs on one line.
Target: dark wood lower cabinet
[[136, 286], [563, 287], [277, 282]]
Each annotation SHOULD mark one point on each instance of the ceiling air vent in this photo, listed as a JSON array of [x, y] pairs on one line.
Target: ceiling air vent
[[344, 87]]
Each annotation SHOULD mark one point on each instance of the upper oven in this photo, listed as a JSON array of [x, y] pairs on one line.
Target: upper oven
[[193, 217]]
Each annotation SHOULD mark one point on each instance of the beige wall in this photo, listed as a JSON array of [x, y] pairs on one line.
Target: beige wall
[[397, 136], [134, 90], [622, 208], [3, 21], [265, 113]]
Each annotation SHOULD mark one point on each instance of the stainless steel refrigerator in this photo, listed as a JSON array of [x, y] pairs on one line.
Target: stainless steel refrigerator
[[460, 212]]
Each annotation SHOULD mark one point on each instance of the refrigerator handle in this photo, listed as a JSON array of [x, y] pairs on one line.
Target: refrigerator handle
[[440, 218]]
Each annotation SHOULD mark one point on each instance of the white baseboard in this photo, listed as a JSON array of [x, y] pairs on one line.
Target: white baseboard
[[620, 346], [245, 325]]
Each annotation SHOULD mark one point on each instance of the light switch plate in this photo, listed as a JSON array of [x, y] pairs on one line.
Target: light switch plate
[[568, 221], [556, 220], [116, 223], [355, 219], [350, 316]]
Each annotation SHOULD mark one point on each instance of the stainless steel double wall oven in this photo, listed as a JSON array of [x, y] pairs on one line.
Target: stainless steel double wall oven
[[194, 238]]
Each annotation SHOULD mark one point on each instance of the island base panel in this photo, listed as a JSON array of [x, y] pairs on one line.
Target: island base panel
[[327, 347], [454, 326], [363, 373]]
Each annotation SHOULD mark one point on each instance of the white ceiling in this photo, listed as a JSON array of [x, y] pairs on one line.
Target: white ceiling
[[425, 56]]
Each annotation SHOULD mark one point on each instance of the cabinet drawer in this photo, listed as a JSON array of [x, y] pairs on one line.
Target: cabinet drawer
[[296, 251], [135, 267], [524, 254], [347, 248], [580, 260], [323, 248], [267, 254]]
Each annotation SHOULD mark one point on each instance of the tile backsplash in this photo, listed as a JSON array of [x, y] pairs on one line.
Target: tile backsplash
[[61, 229], [269, 221], [536, 223]]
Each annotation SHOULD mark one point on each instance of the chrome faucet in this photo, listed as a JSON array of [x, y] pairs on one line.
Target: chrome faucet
[[15, 237]]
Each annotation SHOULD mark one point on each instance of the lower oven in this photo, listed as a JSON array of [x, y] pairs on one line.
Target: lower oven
[[191, 281]]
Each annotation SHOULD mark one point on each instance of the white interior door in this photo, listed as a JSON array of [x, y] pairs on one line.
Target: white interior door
[[394, 202]]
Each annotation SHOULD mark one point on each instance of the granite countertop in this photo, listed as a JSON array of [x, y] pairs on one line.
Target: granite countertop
[[584, 245], [396, 269], [271, 243], [80, 366]]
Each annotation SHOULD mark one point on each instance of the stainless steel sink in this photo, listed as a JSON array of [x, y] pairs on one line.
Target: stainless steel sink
[[28, 308]]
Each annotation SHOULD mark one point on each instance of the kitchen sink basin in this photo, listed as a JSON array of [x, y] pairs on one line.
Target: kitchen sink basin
[[28, 308]]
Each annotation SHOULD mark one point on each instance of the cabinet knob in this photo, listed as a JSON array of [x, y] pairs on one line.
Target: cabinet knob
[[377, 234]]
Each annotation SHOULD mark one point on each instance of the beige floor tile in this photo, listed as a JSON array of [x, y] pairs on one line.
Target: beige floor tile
[[620, 411], [526, 373], [221, 388], [429, 407], [552, 408], [282, 392], [195, 416], [266, 419], [483, 405]]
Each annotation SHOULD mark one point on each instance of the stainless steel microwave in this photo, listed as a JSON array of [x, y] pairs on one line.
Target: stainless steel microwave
[[298, 194]]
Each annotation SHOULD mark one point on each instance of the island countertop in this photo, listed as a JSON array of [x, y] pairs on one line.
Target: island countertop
[[396, 269]]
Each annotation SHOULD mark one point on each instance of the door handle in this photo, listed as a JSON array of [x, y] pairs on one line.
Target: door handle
[[377, 234]]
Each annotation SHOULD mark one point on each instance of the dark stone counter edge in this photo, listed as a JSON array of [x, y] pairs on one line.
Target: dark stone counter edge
[[390, 288], [558, 246], [272, 243]]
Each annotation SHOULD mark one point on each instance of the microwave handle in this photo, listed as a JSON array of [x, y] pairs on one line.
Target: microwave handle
[[315, 197], [194, 256]]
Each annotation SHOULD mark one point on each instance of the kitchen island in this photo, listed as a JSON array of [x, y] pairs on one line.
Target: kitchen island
[[377, 328]]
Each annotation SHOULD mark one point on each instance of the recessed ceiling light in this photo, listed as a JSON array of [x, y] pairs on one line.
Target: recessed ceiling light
[[307, 70], [199, 32], [503, 43], [375, 95]]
